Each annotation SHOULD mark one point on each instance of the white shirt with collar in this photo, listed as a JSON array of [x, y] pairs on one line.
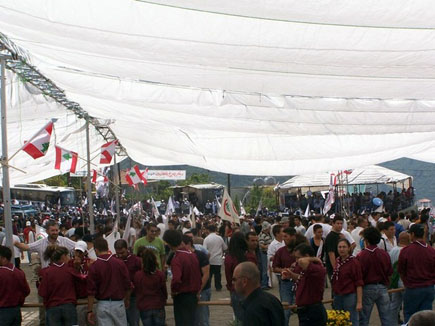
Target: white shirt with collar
[[216, 247], [42, 244]]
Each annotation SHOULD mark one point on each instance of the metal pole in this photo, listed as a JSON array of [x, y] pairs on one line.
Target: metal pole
[[89, 184], [116, 176], [229, 183], [5, 169]]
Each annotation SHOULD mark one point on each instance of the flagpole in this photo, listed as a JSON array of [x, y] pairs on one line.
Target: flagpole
[[4, 159], [116, 173], [89, 183]]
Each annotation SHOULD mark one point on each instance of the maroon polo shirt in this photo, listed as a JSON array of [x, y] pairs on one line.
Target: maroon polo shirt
[[108, 278], [283, 258], [133, 264], [81, 284], [417, 265], [230, 265], [311, 284], [375, 265], [13, 286], [150, 289], [58, 285], [186, 273], [349, 278]]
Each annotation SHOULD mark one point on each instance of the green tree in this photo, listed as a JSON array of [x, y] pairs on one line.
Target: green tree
[[265, 194], [196, 178]]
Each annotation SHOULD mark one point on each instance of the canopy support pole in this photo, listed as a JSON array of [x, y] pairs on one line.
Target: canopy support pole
[[7, 216], [116, 176], [89, 184]]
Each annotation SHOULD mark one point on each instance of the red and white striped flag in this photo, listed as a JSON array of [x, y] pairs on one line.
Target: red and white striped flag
[[66, 161], [135, 176], [94, 176], [107, 152], [38, 145]]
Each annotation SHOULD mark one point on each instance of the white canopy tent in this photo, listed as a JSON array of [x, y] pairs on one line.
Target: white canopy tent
[[256, 88], [361, 176]]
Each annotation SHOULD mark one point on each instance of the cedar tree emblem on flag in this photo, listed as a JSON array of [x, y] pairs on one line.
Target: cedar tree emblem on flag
[[66, 161], [39, 143]]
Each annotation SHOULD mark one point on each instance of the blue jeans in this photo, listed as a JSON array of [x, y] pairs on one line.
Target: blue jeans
[[396, 299], [202, 313], [111, 313], [155, 317], [375, 294], [264, 268], [63, 315], [10, 316], [347, 302], [417, 299], [132, 313], [236, 303], [287, 295]]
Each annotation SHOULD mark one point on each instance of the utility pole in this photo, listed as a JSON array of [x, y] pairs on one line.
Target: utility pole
[[116, 176], [89, 183], [229, 184], [7, 216]]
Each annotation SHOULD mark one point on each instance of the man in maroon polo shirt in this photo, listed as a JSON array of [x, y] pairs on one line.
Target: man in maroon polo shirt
[[108, 282], [309, 276], [417, 269], [186, 279], [376, 271], [284, 258], [133, 265], [13, 288]]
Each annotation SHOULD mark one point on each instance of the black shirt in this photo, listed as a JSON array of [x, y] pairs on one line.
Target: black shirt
[[203, 261], [261, 308], [331, 243]]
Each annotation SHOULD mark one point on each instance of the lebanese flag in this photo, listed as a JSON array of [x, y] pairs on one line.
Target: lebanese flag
[[134, 176], [107, 152], [37, 146], [66, 161]]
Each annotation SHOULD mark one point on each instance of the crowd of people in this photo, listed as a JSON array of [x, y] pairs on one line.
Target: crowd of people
[[121, 273]]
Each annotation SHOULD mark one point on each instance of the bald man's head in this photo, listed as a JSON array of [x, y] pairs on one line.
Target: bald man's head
[[404, 238], [422, 318], [246, 278]]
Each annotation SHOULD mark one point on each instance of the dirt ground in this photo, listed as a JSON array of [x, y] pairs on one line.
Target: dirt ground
[[219, 315]]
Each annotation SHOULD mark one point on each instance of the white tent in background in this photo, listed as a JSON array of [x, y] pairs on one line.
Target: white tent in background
[[245, 87], [362, 176]]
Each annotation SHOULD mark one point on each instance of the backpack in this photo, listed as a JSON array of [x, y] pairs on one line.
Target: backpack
[[394, 281]]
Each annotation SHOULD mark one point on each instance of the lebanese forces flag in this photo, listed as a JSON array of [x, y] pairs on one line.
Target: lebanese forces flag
[[227, 210], [66, 161], [37, 146], [134, 176], [107, 152]]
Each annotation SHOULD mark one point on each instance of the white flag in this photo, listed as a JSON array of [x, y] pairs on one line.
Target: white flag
[[127, 226], [192, 216], [307, 211], [170, 208], [154, 208], [242, 209], [227, 210], [260, 207], [331, 195]]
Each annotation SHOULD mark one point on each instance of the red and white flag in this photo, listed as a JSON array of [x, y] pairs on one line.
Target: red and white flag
[[107, 152], [135, 176], [66, 161], [38, 145], [94, 176]]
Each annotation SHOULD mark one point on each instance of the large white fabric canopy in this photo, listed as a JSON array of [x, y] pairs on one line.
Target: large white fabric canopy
[[260, 88], [24, 106], [362, 176]]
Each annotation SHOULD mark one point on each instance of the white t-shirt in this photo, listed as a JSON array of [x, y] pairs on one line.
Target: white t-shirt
[[273, 248], [357, 237], [162, 228], [300, 229], [215, 246], [17, 251]]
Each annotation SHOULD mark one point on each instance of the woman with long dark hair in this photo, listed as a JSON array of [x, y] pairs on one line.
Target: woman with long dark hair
[[237, 253], [57, 288], [151, 292]]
